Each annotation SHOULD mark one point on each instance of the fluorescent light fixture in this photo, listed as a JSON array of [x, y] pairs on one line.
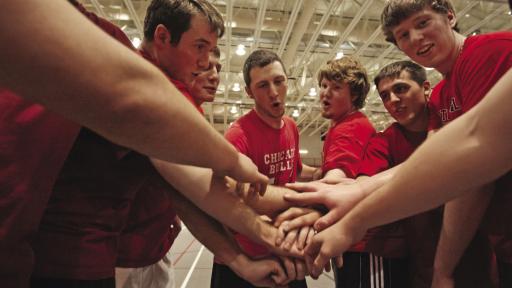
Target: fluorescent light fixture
[[240, 50], [303, 151]]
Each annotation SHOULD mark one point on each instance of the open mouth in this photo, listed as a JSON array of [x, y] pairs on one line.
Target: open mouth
[[326, 105], [276, 104], [424, 50], [211, 90]]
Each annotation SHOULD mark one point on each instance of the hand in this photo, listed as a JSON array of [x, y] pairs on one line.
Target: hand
[[329, 243], [295, 268], [331, 179], [260, 273], [246, 172], [296, 217], [339, 199]]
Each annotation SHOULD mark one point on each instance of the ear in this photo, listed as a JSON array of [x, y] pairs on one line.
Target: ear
[[162, 36], [248, 91], [452, 19], [426, 88]]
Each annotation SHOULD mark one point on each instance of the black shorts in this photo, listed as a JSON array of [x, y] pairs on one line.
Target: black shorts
[[364, 270], [224, 277]]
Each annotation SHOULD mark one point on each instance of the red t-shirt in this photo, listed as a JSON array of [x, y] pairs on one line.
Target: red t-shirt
[[345, 144], [34, 142], [148, 235], [483, 61], [274, 151], [79, 231], [34, 145]]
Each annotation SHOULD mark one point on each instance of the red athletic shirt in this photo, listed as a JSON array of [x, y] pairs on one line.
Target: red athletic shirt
[[483, 61], [345, 144], [148, 235], [274, 151], [34, 144], [89, 205]]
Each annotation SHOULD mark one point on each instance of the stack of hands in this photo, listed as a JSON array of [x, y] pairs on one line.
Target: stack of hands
[[310, 232]]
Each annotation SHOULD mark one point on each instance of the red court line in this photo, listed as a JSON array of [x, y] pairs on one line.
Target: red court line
[[183, 252]]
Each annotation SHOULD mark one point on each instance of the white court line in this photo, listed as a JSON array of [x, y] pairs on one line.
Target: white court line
[[185, 282]]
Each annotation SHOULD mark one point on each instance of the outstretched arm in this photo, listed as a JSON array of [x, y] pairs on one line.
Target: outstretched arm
[[132, 103], [437, 172], [264, 272], [216, 197]]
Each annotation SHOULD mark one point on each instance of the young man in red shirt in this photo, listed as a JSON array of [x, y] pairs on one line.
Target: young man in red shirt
[[271, 140], [425, 31], [96, 187]]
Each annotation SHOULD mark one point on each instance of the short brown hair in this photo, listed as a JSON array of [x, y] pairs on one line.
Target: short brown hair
[[416, 72], [350, 71], [259, 58], [176, 16], [397, 11]]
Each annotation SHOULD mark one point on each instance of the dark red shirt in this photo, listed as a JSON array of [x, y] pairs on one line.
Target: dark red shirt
[[483, 61], [345, 144]]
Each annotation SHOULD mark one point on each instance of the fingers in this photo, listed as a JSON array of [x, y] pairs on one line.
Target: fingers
[[311, 234], [289, 267], [300, 267], [303, 187], [302, 237], [290, 213], [304, 199], [290, 238], [304, 220], [278, 274], [327, 220], [338, 261]]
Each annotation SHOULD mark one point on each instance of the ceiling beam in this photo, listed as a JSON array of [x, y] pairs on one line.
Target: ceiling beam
[[134, 16], [229, 21], [98, 8], [489, 17], [259, 23], [289, 26], [302, 25]]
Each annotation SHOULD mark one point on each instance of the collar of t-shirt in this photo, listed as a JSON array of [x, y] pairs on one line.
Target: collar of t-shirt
[[179, 85]]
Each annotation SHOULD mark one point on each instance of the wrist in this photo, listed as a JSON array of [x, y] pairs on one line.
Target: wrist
[[238, 263]]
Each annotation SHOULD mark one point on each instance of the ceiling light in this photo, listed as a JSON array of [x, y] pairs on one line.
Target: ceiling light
[[231, 24], [339, 55], [233, 110], [295, 113], [312, 92], [236, 87], [240, 50], [303, 151], [136, 42], [121, 16], [327, 32]]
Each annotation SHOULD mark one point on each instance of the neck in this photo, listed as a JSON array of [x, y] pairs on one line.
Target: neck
[[420, 124], [447, 66], [275, 123]]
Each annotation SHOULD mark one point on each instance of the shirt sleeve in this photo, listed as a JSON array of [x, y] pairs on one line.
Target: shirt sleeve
[[345, 150], [236, 136], [481, 69], [376, 156]]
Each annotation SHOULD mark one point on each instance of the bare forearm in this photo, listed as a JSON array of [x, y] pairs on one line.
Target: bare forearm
[[205, 229], [215, 197], [132, 103], [461, 219], [439, 171]]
